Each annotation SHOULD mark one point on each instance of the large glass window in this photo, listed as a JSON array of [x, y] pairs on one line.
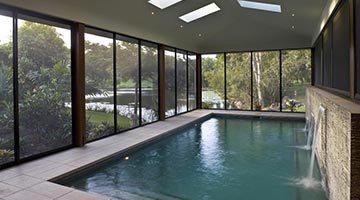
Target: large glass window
[[266, 81], [191, 81], [127, 77], [238, 81], [149, 83], [6, 89], [212, 81], [170, 97], [181, 66], [99, 89], [296, 75], [44, 86]]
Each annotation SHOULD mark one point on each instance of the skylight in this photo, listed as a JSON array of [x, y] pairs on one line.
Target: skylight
[[199, 13], [162, 4], [260, 6]]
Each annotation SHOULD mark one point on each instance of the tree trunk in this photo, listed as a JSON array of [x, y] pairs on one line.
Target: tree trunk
[[257, 75], [136, 98]]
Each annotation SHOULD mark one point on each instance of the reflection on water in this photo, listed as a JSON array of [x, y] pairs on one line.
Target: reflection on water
[[219, 159], [211, 154]]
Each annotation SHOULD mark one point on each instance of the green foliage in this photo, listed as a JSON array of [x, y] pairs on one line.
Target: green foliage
[[266, 78], [6, 156], [44, 89], [99, 67], [44, 120], [213, 74], [127, 61], [100, 130], [6, 104], [205, 105], [238, 80], [97, 117], [296, 72], [40, 46]]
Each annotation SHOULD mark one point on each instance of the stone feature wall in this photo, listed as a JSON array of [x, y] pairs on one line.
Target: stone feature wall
[[338, 145]]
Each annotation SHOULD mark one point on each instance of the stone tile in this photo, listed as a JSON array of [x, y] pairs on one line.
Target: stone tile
[[6, 190], [26, 195], [88, 159], [50, 190], [56, 172], [23, 181], [30, 166], [42, 169], [7, 174], [79, 195], [62, 156]]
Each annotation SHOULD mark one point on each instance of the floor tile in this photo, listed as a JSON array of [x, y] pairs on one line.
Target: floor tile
[[6, 190], [49, 189], [23, 181], [7, 174], [26, 195], [79, 195], [56, 172]]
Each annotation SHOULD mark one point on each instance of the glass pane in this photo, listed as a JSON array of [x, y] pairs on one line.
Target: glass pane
[[238, 81], [266, 81], [170, 97], [44, 87], [6, 91], [99, 90], [192, 81], [181, 82], [149, 83], [212, 81], [296, 75], [128, 90]]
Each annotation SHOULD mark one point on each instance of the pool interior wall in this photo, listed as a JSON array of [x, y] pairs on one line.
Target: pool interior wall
[[147, 162]]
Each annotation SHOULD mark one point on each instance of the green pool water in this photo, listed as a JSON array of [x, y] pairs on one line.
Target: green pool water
[[220, 158]]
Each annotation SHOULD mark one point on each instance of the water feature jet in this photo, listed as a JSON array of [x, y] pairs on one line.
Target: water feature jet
[[315, 135]]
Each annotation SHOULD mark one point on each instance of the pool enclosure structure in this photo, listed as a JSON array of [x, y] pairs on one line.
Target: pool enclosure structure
[[74, 73]]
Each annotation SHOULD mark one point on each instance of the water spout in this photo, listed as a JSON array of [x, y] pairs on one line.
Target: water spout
[[305, 129], [315, 135], [310, 131]]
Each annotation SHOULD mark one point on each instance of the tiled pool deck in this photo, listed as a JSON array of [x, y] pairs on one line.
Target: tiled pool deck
[[32, 180]]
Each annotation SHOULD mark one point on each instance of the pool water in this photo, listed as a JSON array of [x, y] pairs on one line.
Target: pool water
[[220, 158]]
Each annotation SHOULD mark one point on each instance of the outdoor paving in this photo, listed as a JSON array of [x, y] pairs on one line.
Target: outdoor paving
[[32, 180]]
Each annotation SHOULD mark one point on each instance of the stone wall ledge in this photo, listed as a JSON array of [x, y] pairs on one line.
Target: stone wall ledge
[[346, 104], [338, 142]]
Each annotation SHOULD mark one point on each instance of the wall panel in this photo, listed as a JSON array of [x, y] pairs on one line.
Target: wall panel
[[341, 45], [327, 55], [318, 56], [357, 46]]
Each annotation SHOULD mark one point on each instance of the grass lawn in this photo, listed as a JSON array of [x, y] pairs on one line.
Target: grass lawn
[[97, 118], [300, 109]]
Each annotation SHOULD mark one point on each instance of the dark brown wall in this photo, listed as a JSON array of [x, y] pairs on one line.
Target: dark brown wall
[[318, 61], [327, 52], [341, 48], [334, 58], [357, 47]]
